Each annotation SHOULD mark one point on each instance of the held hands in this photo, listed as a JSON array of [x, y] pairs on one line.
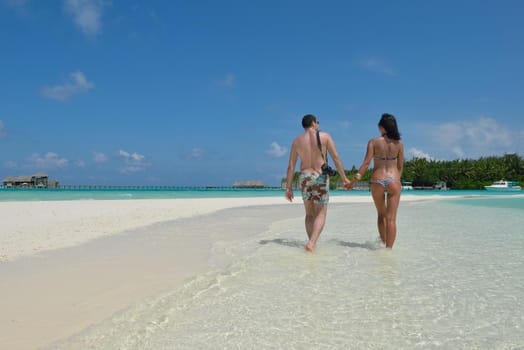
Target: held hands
[[349, 184]]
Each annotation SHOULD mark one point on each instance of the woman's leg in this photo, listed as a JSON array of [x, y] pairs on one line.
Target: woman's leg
[[393, 200], [377, 192]]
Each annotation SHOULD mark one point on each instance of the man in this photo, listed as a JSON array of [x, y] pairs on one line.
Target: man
[[313, 184]]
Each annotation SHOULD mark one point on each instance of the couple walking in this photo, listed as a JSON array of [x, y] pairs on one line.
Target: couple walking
[[312, 147]]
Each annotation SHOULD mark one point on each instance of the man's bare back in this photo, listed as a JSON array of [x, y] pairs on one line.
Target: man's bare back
[[307, 150]]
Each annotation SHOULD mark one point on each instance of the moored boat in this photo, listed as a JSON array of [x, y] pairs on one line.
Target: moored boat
[[406, 185], [503, 186]]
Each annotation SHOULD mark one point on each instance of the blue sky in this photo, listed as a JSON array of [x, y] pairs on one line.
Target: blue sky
[[211, 92]]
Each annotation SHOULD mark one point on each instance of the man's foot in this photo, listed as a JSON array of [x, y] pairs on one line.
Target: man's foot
[[309, 247], [380, 243]]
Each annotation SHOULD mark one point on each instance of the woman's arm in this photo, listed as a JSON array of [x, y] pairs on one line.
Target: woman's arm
[[400, 160], [365, 164]]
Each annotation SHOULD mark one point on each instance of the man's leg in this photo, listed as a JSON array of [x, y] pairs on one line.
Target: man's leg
[[315, 221], [309, 218]]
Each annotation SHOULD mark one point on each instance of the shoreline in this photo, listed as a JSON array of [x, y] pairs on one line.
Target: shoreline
[[94, 258], [33, 227]]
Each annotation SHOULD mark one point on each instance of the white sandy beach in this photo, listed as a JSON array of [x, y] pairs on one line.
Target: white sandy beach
[[48, 293], [30, 228]]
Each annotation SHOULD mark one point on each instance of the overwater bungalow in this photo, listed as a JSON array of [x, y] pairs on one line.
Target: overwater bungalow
[[38, 180]]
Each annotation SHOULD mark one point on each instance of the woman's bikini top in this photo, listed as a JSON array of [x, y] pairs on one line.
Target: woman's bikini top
[[385, 158]]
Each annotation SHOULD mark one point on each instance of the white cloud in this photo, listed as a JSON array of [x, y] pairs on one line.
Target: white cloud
[[196, 153], [48, 161], [78, 84], [16, 4], [416, 153], [377, 66], [458, 151], [345, 124], [133, 162], [276, 151], [3, 130], [10, 165], [228, 82], [86, 14], [20, 7], [473, 138], [520, 143], [99, 157]]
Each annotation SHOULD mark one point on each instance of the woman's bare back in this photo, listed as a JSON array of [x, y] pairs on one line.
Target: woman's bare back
[[387, 154]]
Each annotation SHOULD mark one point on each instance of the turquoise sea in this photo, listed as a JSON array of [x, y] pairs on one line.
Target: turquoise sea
[[132, 193], [191, 192], [454, 280]]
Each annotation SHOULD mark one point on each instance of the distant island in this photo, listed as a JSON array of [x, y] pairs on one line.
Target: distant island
[[250, 184]]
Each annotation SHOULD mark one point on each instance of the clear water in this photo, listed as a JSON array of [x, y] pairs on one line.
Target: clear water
[[131, 193], [7, 195], [454, 280]]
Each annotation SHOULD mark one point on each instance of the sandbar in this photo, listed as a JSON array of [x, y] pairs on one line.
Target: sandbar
[[65, 265]]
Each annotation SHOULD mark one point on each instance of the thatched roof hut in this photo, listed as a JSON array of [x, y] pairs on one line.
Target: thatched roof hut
[[38, 180]]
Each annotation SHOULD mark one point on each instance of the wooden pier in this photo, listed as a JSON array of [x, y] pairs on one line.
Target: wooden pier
[[158, 188]]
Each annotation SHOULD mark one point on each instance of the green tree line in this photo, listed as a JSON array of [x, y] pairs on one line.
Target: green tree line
[[464, 174], [460, 174]]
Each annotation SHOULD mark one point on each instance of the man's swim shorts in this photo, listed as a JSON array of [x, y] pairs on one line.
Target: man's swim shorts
[[314, 187]]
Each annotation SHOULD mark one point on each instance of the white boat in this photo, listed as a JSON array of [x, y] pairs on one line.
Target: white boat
[[503, 186], [407, 185]]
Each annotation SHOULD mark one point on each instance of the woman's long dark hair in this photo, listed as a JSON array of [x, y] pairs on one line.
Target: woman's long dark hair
[[389, 123]]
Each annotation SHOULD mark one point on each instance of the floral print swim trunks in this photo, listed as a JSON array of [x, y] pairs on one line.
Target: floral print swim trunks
[[314, 187]]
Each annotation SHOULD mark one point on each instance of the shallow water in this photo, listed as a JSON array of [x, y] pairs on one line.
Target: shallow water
[[453, 281], [10, 195]]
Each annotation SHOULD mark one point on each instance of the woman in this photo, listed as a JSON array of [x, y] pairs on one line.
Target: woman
[[387, 153]]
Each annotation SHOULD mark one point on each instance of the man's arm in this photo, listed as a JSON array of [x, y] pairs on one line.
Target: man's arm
[[336, 159], [293, 156]]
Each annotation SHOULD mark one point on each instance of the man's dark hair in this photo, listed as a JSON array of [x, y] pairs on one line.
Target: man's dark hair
[[308, 120], [389, 123]]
